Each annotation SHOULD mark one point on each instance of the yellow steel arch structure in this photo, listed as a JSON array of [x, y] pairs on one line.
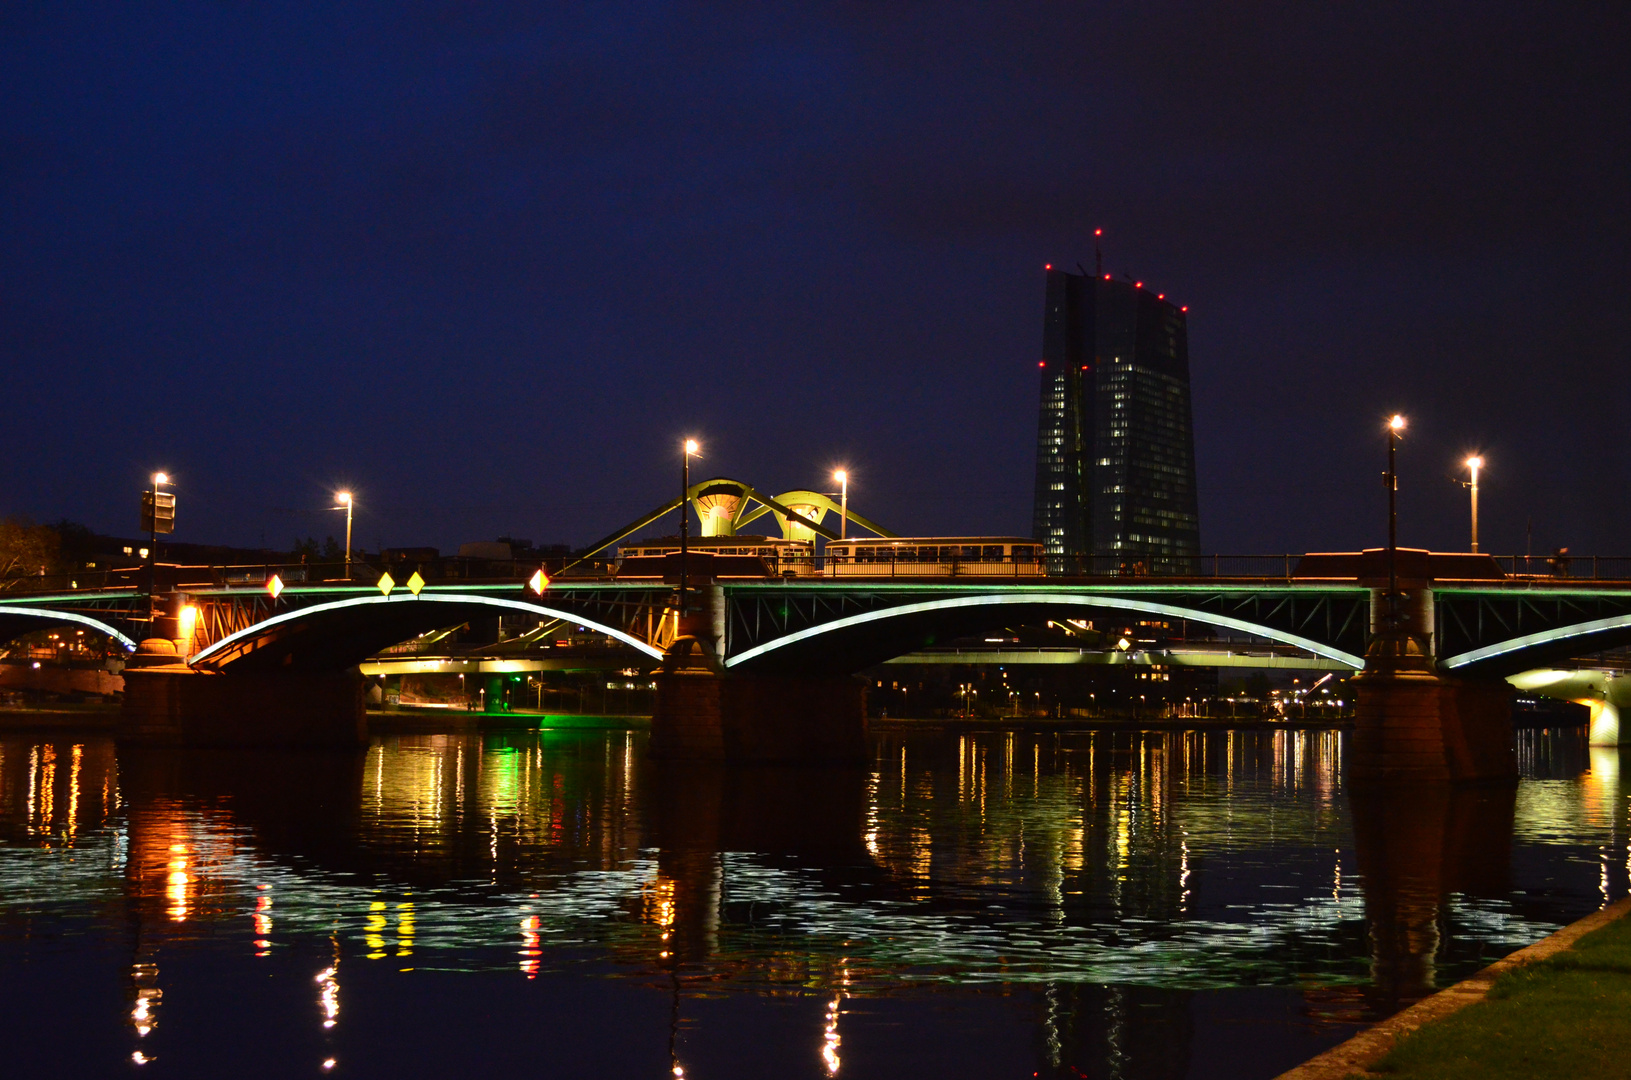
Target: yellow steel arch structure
[[725, 505]]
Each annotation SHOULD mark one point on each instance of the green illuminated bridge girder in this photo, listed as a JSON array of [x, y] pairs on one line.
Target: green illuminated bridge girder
[[809, 625], [845, 624], [117, 613]]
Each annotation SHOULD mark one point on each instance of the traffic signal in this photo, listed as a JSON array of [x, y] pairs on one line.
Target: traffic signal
[[158, 512]]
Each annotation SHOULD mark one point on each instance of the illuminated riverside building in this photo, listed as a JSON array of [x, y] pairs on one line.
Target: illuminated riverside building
[[1115, 446]]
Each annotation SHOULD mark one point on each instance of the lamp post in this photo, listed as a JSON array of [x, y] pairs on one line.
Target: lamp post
[[1474, 463], [159, 480], [1394, 427], [691, 447], [842, 476], [345, 501]]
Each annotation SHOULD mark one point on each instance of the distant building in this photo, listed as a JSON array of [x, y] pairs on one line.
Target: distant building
[[1115, 446]]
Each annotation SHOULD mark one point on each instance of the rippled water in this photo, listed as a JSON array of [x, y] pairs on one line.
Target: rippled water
[[1002, 903]]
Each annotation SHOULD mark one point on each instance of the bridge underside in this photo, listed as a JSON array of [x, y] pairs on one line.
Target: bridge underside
[[340, 639], [1057, 657], [793, 630], [1490, 633], [1561, 647], [17, 621]]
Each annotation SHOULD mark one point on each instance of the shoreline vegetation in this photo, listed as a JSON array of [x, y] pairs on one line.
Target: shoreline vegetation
[[1558, 1008], [1565, 1015]]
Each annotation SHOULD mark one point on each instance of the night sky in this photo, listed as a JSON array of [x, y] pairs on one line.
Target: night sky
[[487, 264]]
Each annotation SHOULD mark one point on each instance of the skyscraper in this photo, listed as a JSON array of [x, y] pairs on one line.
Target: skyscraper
[[1115, 446]]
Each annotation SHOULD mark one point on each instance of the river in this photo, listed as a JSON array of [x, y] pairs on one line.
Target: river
[[997, 903]]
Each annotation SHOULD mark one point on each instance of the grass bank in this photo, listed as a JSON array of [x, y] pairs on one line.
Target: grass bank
[[1568, 1015]]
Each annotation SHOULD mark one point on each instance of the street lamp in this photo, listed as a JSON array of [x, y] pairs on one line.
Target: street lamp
[[154, 515], [843, 513], [691, 447], [1391, 478], [1474, 463], [345, 501]]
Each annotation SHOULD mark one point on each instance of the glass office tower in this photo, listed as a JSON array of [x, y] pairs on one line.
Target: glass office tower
[[1115, 446]]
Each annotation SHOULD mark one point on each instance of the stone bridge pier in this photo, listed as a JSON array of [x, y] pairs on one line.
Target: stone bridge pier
[[705, 712], [1415, 724], [168, 703]]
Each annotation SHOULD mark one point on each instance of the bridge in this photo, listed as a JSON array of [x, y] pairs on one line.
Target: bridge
[[786, 645], [1490, 627]]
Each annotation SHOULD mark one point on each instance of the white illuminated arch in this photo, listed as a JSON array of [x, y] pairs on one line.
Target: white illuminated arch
[[1544, 637], [433, 598], [1149, 607], [72, 617]]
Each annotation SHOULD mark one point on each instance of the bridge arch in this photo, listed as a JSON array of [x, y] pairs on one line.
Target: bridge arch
[[16, 621], [855, 623], [389, 614], [1530, 650]]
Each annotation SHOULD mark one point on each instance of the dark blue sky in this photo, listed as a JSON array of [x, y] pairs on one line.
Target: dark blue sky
[[487, 264]]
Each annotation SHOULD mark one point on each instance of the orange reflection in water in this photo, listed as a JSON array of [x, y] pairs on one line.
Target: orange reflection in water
[[176, 882], [662, 910], [830, 1040], [263, 921], [530, 952]]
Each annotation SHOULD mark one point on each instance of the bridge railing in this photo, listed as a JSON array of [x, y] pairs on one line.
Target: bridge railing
[[1221, 567], [75, 581], [1560, 565], [1256, 567]]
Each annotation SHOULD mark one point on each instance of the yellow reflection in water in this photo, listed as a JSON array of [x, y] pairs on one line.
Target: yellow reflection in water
[[404, 928], [374, 930], [48, 787], [662, 910], [72, 823]]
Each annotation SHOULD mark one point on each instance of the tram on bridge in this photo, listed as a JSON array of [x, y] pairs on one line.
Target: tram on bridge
[[742, 557], [934, 556], [723, 557]]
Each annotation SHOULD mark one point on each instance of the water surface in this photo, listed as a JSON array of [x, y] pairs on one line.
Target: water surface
[[988, 904]]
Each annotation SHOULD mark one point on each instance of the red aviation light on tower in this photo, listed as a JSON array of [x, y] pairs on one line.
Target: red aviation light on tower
[[1098, 232], [1047, 266], [1107, 277], [1161, 296], [1185, 308], [1138, 284], [1041, 363]]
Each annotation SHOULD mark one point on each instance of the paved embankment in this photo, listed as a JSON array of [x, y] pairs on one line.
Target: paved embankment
[[1561, 1007]]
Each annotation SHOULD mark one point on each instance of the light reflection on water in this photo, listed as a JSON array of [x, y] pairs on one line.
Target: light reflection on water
[[1123, 887]]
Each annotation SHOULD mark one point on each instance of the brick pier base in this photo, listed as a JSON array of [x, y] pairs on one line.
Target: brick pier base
[[1414, 727], [708, 717], [175, 705]]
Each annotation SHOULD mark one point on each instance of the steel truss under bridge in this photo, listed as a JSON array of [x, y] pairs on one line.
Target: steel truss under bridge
[[1509, 630], [884, 620]]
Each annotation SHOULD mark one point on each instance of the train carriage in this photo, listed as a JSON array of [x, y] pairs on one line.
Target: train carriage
[[934, 556], [725, 556]]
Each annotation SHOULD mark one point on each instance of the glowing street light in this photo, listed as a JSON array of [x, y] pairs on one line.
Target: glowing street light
[[1474, 463], [842, 476], [345, 501]]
